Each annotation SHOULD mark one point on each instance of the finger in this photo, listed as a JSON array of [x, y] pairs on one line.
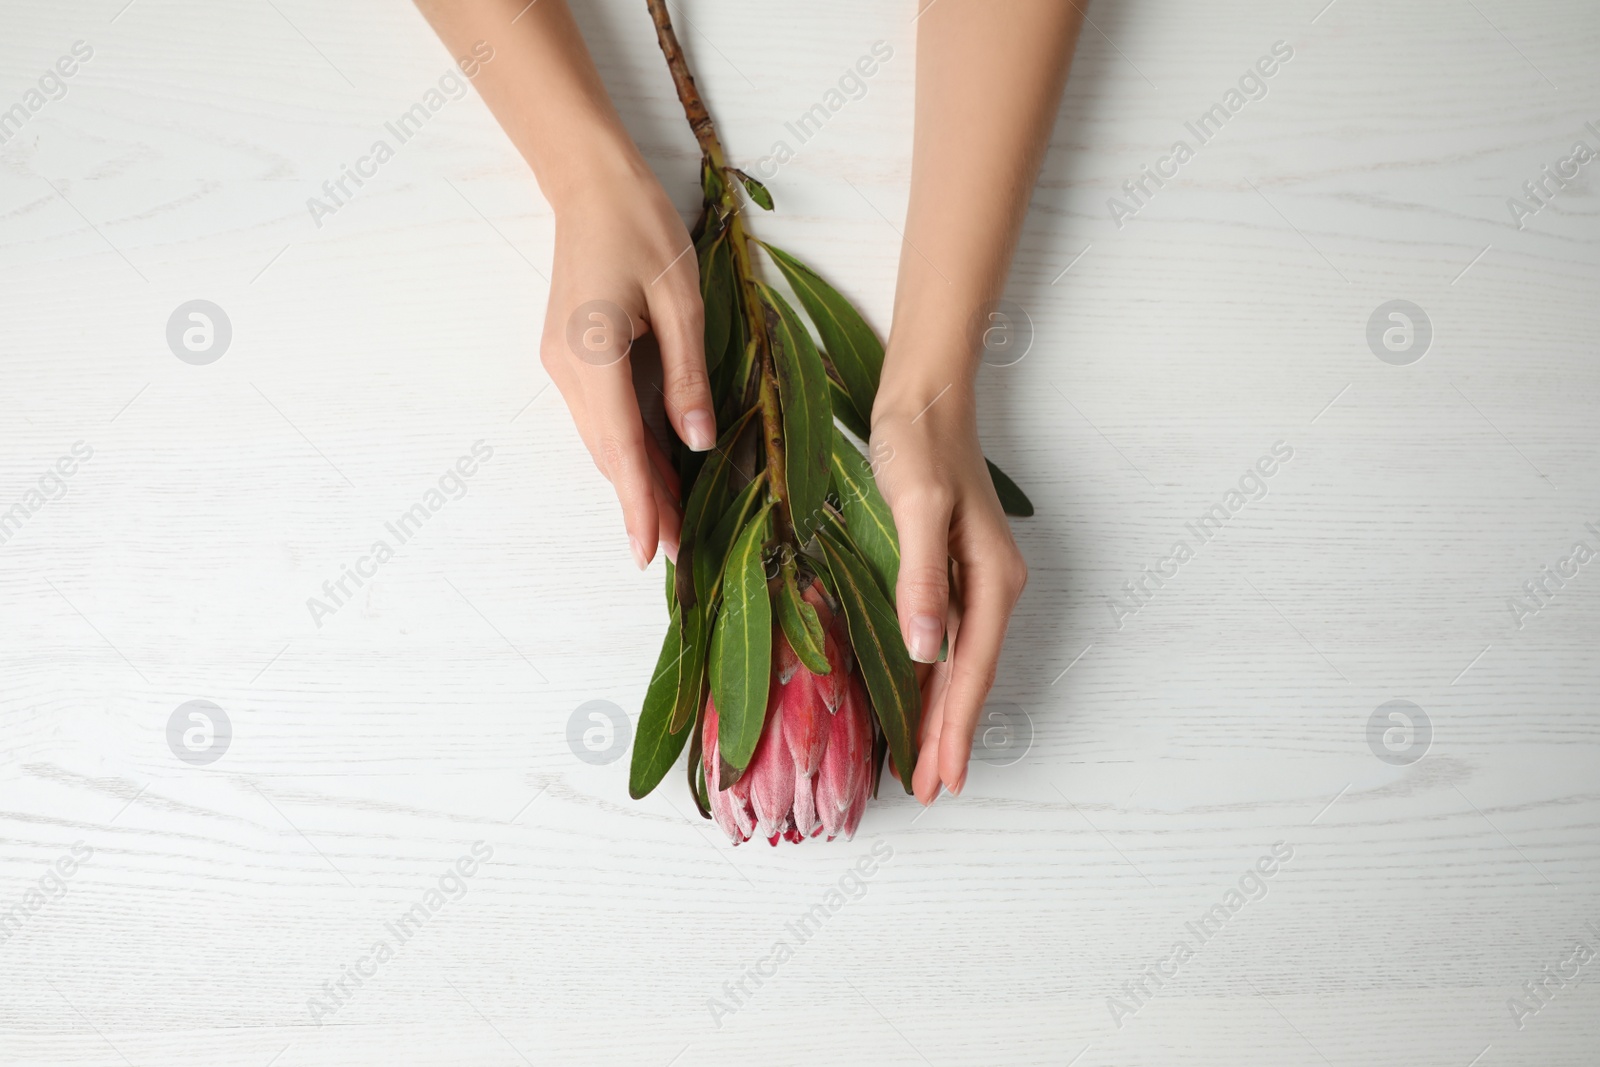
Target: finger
[[935, 685], [619, 449], [668, 523], [922, 594], [677, 318], [667, 485], [987, 597], [663, 468], [925, 780]]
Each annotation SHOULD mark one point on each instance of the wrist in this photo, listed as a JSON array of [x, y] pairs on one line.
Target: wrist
[[595, 168], [928, 361], [931, 393]]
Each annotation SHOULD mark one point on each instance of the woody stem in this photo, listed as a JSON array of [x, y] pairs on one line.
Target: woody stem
[[728, 206]]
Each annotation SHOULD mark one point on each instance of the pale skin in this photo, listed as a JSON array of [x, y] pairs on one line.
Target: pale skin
[[989, 79]]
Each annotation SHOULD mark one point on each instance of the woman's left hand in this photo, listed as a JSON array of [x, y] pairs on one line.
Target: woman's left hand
[[960, 570]]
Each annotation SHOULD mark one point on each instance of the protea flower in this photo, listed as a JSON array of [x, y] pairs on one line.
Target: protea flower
[[783, 667], [812, 770]]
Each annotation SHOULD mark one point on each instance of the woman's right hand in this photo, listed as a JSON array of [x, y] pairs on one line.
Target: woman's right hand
[[624, 266]]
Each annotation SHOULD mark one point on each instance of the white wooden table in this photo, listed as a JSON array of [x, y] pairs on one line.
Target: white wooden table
[[211, 908]]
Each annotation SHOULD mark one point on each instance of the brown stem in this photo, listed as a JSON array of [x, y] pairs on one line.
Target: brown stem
[[694, 109], [753, 308]]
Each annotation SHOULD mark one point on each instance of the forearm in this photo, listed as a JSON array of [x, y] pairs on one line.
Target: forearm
[[543, 89], [989, 79]]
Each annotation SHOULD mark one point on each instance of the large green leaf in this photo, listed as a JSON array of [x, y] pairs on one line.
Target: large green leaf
[[691, 693], [707, 500], [845, 411], [866, 513], [696, 767], [713, 551], [717, 294], [655, 746], [852, 347], [807, 413], [857, 356], [879, 648], [801, 626], [1013, 501], [731, 383], [741, 648]]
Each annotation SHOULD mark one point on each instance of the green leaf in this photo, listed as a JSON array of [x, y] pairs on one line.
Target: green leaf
[[691, 669], [866, 513], [852, 347], [696, 767], [710, 182], [807, 413], [880, 748], [730, 379], [730, 386], [655, 746], [757, 191], [708, 496], [845, 411], [880, 650], [856, 354], [717, 294], [714, 547], [706, 501], [741, 648], [1012, 499], [801, 625]]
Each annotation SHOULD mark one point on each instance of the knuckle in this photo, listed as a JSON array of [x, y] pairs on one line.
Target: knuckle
[[688, 381], [681, 304], [924, 585], [1016, 575], [923, 499], [980, 678], [611, 454], [549, 355]]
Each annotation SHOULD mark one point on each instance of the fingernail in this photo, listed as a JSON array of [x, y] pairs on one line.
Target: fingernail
[[671, 550], [923, 641], [701, 428], [638, 553], [961, 783]]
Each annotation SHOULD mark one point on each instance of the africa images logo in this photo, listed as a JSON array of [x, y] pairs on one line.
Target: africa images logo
[[336, 592], [406, 126]]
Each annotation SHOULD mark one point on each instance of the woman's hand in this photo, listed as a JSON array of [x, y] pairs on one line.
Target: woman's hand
[[624, 267], [960, 570], [987, 91], [623, 262]]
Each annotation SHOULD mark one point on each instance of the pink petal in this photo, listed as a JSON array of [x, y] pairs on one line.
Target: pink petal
[[861, 736], [831, 687], [846, 765], [852, 818], [739, 799], [805, 805], [771, 772], [815, 597], [721, 801], [804, 726], [784, 659]]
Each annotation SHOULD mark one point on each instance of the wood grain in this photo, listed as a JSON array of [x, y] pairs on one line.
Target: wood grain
[[431, 711]]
